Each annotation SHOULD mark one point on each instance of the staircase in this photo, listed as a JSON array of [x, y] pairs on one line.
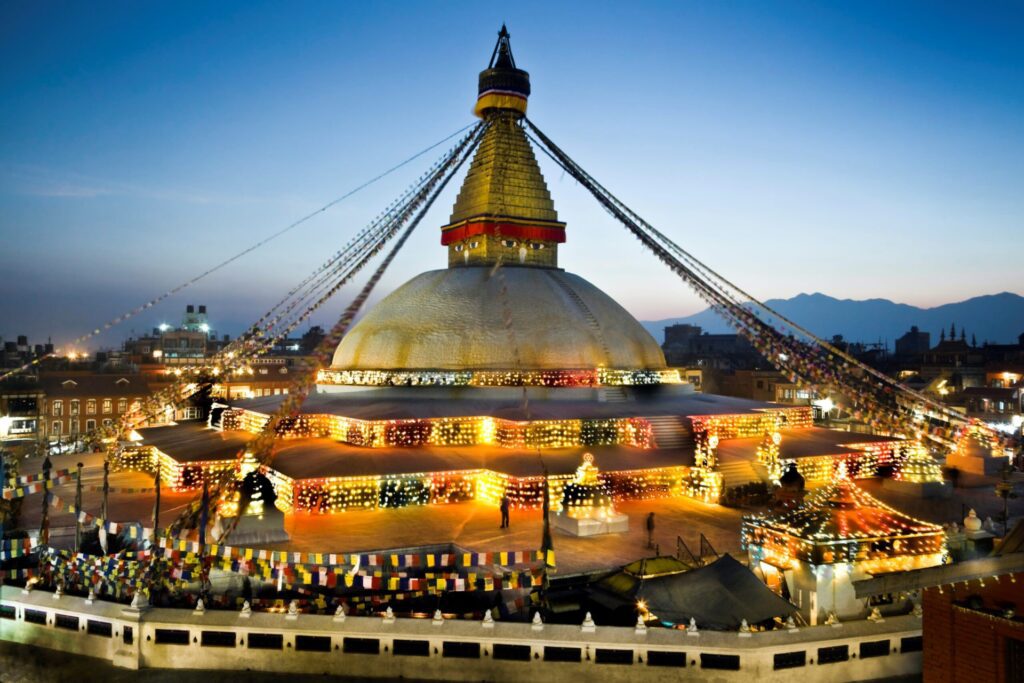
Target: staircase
[[612, 395], [670, 432], [740, 472], [585, 311]]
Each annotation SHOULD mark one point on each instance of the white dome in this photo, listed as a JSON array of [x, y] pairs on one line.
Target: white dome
[[453, 320]]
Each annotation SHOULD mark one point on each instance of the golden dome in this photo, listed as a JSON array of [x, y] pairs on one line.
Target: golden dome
[[454, 320]]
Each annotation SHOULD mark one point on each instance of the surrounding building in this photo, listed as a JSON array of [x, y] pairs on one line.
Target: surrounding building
[[763, 385], [690, 346], [77, 404], [913, 343]]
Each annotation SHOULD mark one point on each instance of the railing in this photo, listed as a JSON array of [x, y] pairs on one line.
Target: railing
[[433, 649]]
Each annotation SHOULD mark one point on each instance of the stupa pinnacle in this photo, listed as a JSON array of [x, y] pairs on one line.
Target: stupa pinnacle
[[504, 210]]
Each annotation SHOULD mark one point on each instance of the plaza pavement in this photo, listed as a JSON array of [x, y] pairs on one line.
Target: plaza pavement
[[475, 526]]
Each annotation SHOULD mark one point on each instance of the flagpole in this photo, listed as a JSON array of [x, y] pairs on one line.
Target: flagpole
[[78, 510], [203, 518], [106, 489], [156, 503], [44, 526]]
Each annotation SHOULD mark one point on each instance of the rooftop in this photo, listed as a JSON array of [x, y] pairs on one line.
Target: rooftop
[[317, 458], [419, 403]]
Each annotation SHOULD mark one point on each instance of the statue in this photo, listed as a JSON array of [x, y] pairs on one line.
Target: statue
[[259, 521], [587, 506]]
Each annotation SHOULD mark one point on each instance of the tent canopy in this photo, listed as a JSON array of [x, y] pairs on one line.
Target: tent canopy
[[718, 596]]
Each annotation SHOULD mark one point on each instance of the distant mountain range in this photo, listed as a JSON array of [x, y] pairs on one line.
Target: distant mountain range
[[997, 318]]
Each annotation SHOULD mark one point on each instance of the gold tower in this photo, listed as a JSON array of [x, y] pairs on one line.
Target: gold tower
[[504, 210]]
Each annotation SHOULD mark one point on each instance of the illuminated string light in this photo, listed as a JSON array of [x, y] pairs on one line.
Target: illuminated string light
[[842, 524]]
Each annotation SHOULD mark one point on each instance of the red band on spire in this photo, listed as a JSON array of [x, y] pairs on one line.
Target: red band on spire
[[511, 230]]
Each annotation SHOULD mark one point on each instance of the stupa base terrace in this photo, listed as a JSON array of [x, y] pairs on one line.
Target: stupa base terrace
[[373, 448]]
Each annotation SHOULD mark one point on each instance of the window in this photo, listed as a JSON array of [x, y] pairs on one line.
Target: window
[[90, 425], [312, 644], [760, 384], [56, 428], [515, 653], [108, 405], [107, 422], [122, 405], [90, 406], [74, 426], [657, 658], [460, 650], [171, 636], [602, 656], [829, 655], [217, 639], [99, 628], [74, 407], [34, 616], [363, 646], [911, 644], [723, 662], [266, 641], [561, 654], [67, 621], [874, 648], [411, 648], [790, 660], [58, 408]]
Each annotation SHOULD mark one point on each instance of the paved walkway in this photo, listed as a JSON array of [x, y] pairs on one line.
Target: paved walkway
[[476, 526]]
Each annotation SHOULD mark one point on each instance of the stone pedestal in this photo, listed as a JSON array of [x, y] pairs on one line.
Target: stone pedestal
[[586, 526], [267, 527], [928, 489], [976, 463]]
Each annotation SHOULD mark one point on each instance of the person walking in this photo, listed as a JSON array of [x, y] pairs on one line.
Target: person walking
[[650, 530], [505, 504]]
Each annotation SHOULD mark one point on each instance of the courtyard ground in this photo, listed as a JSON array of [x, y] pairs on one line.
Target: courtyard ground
[[475, 526]]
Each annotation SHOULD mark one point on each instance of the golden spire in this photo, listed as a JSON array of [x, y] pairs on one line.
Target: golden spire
[[504, 209]]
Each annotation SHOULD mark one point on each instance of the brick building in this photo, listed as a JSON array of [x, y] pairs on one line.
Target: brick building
[[78, 403], [968, 633]]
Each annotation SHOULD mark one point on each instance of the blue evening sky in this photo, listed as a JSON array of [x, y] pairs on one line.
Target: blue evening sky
[[858, 149]]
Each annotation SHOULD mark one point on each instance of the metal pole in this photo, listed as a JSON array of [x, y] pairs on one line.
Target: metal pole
[[204, 511], [203, 515], [44, 526], [106, 489], [156, 504], [3, 485], [78, 510]]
